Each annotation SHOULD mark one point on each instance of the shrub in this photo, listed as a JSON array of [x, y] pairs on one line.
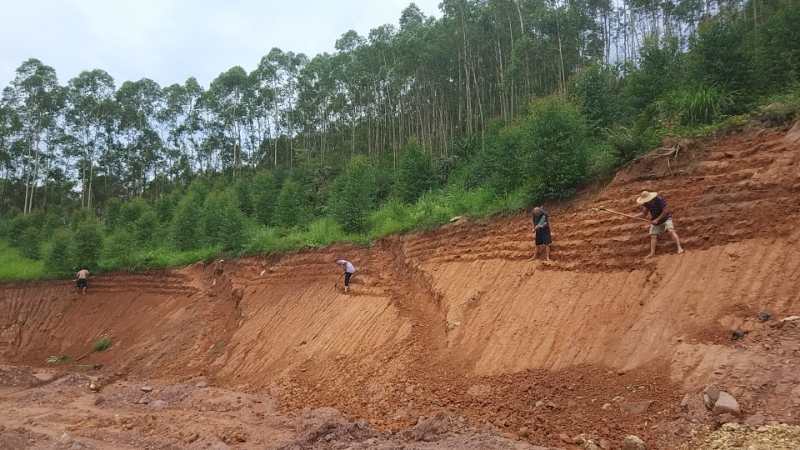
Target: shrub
[[223, 223], [102, 344], [244, 196], [185, 228], [87, 245], [596, 90], [415, 173], [24, 233], [628, 143], [118, 250], [661, 68], [265, 197], [353, 195], [701, 105], [718, 56], [291, 208], [557, 144], [145, 228], [58, 260]]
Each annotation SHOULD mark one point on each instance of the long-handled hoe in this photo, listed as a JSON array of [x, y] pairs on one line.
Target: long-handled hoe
[[620, 214]]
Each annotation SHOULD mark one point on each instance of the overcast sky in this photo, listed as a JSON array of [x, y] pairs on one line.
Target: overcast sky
[[171, 40]]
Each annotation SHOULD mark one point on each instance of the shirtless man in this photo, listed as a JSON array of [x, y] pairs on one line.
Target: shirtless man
[[82, 280], [349, 270]]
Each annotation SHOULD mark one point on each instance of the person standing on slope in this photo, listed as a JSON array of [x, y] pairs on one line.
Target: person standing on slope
[[541, 232], [656, 207], [349, 270], [82, 280]]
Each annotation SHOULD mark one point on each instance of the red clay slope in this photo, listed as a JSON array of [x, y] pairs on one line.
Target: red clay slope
[[461, 319]]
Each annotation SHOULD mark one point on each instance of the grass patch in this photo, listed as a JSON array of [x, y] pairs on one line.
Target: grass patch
[[102, 344], [14, 266]]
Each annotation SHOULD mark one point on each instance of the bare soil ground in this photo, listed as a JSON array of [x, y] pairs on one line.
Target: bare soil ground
[[452, 338]]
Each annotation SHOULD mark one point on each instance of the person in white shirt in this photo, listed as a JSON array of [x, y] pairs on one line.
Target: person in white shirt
[[349, 270]]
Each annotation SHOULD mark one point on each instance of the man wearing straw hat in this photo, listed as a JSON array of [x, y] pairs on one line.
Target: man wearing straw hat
[[660, 219]]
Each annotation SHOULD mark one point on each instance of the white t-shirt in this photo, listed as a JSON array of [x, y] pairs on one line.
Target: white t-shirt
[[348, 266]]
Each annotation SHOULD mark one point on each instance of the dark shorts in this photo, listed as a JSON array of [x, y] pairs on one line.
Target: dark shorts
[[543, 236], [82, 283], [347, 276]]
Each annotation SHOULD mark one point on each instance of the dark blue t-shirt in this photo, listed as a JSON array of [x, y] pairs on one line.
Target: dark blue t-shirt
[[656, 206], [542, 219]]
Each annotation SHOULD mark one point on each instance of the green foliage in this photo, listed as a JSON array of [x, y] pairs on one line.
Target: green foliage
[[719, 56], [223, 223], [119, 250], [101, 344], [291, 209], [353, 195], [415, 173], [777, 58], [87, 244], [14, 266], [630, 142], [265, 192], [145, 228], [660, 70], [558, 145], [24, 233], [596, 90], [700, 105], [244, 196], [58, 260], [185, 230]]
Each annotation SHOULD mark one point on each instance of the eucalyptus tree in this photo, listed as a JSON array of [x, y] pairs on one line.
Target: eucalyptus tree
[[36, 99], [140, 144], [227, 98], [90, 106]]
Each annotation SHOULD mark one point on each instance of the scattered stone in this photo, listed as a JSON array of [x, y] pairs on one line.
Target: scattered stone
[[738, 335], [710, 396], [201, 384], [606, 406], [147, 388], [551, 405], [565, 438], [726, 404], [539, 404], [685, 402], [790, 319], [523, 432], [756, 420], [158, 404], [632, 442], [764, 316], [94, 387], [99, 400], [590, 445], [604, 444], [637, 407], [191, 438]]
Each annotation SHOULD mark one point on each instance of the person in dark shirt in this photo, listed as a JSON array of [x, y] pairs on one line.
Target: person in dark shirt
[[654, 206], [541, 231]]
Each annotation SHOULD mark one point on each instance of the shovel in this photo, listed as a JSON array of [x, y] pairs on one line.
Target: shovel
[[621, 214]]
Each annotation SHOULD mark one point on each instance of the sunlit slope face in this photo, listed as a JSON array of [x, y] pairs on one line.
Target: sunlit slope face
[[465, 297]]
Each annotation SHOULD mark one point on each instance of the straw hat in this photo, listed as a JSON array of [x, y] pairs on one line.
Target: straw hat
[[645, 197]]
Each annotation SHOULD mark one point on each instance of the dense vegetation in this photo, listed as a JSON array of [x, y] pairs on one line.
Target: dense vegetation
[[491, 107]]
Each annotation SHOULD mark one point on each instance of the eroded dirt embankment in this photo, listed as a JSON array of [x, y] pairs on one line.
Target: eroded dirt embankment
[[461, 320]]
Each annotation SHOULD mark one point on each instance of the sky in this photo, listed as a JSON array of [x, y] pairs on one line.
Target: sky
[[171, 40]]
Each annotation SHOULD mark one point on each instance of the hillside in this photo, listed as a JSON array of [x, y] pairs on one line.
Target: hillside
[[458, 325]]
